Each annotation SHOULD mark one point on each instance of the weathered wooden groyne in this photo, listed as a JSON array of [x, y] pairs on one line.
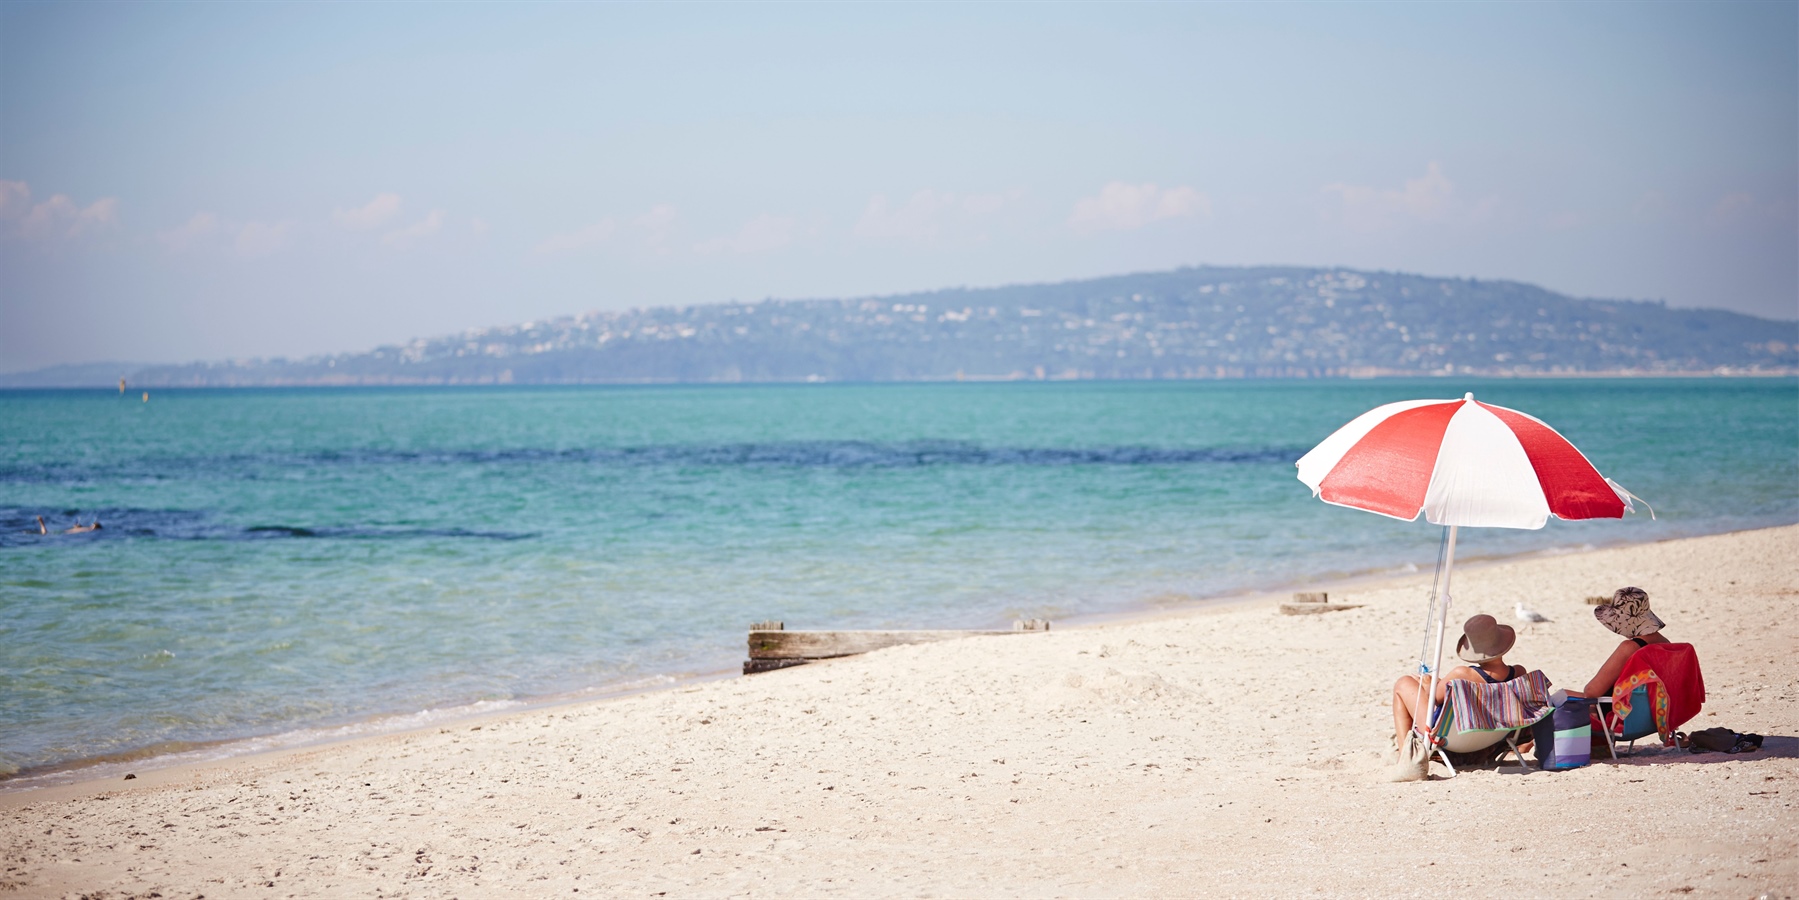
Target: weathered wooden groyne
[[772, 646]]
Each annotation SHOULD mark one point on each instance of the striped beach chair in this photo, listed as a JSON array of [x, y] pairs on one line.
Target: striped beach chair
[[1477, 716]]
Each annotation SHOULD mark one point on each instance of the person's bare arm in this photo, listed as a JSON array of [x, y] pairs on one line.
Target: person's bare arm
[[1459, 673], [1601, 685]]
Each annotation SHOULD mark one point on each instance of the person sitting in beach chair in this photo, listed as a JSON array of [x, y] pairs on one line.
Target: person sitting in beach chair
[[1484, 645], [1479, 722], [1649, 684], [1628, 616]]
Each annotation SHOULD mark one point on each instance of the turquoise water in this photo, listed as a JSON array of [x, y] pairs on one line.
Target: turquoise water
[[279, 560]]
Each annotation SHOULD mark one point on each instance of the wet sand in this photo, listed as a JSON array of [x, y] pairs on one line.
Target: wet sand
[[1226, 750]]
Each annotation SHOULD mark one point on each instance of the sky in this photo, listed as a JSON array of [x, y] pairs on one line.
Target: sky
[[205, 181]]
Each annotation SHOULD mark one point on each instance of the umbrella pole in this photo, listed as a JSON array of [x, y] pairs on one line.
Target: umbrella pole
[[1436, 669]]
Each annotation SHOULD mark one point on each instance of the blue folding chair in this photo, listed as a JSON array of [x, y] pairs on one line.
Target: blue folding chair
[[1639, 724]]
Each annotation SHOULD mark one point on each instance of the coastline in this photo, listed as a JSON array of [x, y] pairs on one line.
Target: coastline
[[1220, 742], [142, 762]]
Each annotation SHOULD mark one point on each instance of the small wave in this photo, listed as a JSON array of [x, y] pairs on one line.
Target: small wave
[[1565, 549], [164, 754]]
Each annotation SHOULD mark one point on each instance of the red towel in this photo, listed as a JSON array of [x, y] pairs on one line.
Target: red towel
[[1676, 689]]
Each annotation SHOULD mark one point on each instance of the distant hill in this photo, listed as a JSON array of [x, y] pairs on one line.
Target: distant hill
[[76, 375], [1210, 322]]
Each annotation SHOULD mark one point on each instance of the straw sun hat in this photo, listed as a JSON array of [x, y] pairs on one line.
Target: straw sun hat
[[1484, 639], [1628, 614]]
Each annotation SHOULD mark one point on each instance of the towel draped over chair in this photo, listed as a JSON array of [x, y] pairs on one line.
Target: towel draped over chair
[[1507, 706], [1676, 687]]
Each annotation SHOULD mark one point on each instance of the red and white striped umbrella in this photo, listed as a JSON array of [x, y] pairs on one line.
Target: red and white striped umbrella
[[1460, 462]]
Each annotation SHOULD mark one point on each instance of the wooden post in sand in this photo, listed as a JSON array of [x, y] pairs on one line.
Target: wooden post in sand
[[1312, 603], [772, 646]]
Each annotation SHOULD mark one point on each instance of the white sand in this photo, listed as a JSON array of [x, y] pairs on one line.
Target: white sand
[[1223, 751]]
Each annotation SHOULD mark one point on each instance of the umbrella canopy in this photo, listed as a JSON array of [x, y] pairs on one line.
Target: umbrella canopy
[[1459, 462]]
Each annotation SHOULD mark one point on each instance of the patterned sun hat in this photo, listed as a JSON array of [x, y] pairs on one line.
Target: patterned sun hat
[[1628, 614]]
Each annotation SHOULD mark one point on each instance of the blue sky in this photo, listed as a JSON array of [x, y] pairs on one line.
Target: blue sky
[[211, 181]]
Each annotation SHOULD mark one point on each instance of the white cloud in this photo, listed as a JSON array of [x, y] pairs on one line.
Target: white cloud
[[653, 227], [1430, 197], [15, 200], [205, 231], [1731, 209], [369, 215], [1126, 207], [255, 239], [656, 225], [759, 235], [432, 223], [192, 233], [592, 236], [57, 217], [927, 215]]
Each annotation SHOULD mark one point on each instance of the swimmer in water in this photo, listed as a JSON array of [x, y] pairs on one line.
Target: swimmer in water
[[82, 529]]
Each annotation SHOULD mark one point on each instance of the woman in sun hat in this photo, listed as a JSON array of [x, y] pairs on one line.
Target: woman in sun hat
[[1484, 645], [1627, 616]]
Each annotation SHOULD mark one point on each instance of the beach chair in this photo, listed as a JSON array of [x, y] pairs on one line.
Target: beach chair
[[1476, 716], [1639, 724], [1659, 690]]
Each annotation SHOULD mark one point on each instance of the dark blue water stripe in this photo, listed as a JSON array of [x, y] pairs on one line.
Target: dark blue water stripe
[[809, 454], [18, 528]]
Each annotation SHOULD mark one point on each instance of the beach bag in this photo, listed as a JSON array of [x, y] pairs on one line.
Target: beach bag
[[1723, 740], [1564, 737], [1412, 761]]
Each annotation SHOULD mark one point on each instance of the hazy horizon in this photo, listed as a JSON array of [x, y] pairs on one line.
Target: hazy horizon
[[198, 182]]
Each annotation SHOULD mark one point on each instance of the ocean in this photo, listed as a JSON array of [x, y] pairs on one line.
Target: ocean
[[283, 566]]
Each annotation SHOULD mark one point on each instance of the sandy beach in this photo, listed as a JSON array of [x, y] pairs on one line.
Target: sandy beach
[[1225, 750]]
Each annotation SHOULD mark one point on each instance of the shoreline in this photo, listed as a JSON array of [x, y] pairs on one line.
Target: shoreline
[[1223, 745], [143, 762]]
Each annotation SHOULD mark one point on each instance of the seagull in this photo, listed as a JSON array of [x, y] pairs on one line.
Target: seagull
[[1527, 615]]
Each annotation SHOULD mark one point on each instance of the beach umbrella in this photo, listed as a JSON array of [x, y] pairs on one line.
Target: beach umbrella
[[1458, 463]]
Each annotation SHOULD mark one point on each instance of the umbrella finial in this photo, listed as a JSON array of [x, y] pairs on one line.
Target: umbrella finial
[[1468, 396]]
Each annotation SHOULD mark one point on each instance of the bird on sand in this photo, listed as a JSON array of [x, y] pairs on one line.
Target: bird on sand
[[1527, 615]]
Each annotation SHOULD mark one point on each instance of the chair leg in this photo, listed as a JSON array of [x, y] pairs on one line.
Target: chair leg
[[1512, 742], [1441, 755], [1606, 725]]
